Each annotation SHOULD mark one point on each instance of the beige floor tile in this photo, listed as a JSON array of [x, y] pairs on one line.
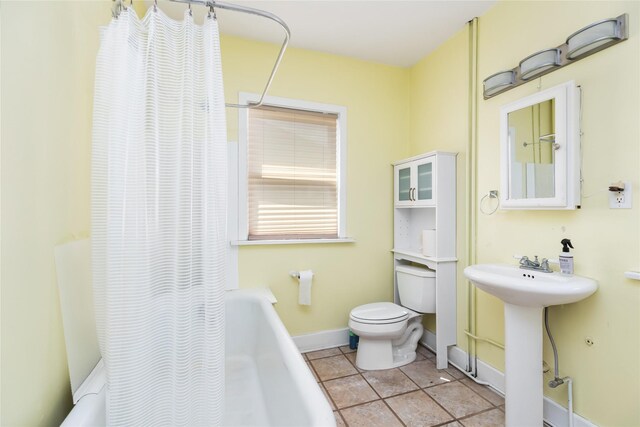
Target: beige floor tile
[[312, 371], [425, 374], [425, 352], [418, 409], [352, 359], [453, 424], [323, 353], [455, 372], [492, 418], [458, 399], [419, 357], [324, 390], [374, 414], [333, 367], [484, 391], [346, 349], [339, 421], [350, 391], [389, 382]]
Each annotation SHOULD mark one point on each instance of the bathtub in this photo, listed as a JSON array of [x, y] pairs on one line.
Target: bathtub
[[268, 382]]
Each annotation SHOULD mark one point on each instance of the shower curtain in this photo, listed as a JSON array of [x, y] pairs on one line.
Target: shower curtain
[[159, 219]]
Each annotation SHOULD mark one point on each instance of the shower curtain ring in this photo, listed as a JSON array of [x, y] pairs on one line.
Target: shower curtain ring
[[117, 8], [155, 5], [212, 11], [190, 13]]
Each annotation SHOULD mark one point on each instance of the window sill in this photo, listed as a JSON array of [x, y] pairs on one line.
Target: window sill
[[291, 242]]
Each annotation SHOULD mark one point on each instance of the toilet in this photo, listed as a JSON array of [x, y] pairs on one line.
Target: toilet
[[389, 333]]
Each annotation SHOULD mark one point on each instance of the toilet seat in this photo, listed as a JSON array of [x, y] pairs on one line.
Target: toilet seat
[[379, 313]]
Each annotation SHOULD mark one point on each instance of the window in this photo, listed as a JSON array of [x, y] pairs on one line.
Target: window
[[293, 175]]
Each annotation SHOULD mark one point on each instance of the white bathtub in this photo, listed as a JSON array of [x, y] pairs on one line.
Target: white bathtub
[[267, 381]]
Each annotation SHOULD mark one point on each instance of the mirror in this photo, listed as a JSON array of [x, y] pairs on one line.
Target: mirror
[[539, 151], [532, 138]]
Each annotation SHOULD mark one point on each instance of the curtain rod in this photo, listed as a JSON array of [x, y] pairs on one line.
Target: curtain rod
[[242, 9]]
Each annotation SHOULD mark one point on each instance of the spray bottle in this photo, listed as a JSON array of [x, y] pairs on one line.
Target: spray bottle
[[566, 259]]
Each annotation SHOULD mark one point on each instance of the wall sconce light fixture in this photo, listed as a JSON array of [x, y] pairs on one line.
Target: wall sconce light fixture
[[595, 37], [539, 62], [584, 42], [499, 82]]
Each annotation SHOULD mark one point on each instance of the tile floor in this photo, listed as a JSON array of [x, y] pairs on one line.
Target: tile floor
[[416, 394]]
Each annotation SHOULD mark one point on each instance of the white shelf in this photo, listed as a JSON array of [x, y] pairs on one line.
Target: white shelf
[[418, 256], [633, 275], [421, 156], [411, 218]]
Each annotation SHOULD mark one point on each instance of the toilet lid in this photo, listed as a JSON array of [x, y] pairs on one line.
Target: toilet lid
[[380, 311]]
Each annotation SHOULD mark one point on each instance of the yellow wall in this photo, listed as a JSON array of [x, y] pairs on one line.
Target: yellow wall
[[376, 97], [48, 54], [439, 121], [607, 241]]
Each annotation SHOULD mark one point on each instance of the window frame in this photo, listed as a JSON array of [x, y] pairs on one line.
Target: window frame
[[341, 167]]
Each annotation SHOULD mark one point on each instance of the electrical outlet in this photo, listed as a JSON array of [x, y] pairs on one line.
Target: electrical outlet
[[621, 199]]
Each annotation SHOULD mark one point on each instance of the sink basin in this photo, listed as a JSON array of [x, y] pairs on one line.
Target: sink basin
[[529, 288], [525, 293]]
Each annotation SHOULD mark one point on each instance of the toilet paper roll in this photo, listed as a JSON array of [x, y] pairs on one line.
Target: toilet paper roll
[[304, 296]]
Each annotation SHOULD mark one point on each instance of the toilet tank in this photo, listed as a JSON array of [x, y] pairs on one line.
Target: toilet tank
[[417, 288]]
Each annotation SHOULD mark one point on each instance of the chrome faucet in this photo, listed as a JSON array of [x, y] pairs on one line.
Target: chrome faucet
[[536, 265]]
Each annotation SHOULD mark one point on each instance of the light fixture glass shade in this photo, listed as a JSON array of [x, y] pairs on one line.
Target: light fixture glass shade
[[593, 38], [539, 62], [499, 82]]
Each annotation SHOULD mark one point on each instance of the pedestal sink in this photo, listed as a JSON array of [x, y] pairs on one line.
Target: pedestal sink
[[525, 293]]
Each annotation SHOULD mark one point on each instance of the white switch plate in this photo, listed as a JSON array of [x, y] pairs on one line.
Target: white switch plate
[[621, 199]]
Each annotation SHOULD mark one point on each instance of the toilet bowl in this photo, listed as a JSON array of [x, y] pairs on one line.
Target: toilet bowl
[[389, 333]]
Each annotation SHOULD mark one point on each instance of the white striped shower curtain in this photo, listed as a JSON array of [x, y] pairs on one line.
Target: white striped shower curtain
[[159, 182]]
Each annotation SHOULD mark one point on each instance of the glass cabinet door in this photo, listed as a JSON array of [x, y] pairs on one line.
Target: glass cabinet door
[[404, 184], [425, 181]]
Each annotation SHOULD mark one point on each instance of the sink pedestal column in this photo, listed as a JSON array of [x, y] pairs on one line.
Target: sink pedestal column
[[523, 366]]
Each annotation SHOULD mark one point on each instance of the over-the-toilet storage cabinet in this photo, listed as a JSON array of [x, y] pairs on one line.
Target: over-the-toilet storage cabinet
[[425, 199]]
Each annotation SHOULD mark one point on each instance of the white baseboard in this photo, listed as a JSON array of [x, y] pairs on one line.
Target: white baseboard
[[321, 340], [554, 414], [459, 357]]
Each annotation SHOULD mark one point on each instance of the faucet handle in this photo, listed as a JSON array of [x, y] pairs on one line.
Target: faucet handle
[[544, 264]]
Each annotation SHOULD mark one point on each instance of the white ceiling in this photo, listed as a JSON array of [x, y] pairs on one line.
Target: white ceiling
[[391, 32]]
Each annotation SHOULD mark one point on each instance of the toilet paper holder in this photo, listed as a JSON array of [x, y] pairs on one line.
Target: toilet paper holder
[[294, 274]]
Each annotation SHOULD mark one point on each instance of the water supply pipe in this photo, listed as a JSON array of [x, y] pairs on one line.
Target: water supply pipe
[[556, 381], [471, 187]]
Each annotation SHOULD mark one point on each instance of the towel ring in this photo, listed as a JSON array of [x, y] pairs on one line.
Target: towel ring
[[493, 194]]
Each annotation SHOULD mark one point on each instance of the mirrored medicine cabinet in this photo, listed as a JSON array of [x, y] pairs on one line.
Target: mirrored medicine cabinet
[[540, 150]]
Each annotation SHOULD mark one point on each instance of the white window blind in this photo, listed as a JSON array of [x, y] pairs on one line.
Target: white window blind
[[292, 174]]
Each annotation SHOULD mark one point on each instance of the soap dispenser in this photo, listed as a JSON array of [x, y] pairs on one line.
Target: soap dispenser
[[566, 259]]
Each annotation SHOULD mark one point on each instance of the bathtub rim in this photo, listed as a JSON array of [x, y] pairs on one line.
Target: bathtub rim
[[315, 402], [91, 405]]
